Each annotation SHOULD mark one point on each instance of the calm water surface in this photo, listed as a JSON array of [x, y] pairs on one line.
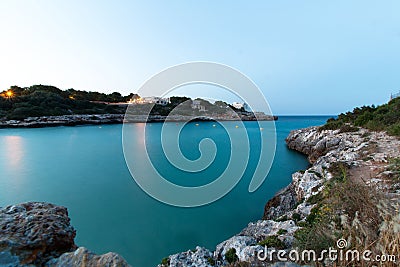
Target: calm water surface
[[83, 168]]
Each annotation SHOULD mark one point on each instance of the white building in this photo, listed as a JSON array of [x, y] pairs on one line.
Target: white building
[[238, 105], [196, 104], [151, 100]]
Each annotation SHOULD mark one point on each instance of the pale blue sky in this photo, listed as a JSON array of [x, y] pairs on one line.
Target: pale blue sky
[[308, 57]]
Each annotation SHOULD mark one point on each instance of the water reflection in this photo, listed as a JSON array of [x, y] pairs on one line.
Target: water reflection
[[14, 152]]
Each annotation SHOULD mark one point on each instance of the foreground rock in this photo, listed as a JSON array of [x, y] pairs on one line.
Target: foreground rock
[[35, 232], [83, 257], [38, 234], [196, 258], [367, 156]]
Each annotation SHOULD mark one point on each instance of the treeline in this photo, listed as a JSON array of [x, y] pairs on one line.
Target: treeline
[[185, 107], [377, 118], [44, 100]]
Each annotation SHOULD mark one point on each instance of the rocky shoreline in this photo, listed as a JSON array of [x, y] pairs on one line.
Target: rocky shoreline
[[97, 119], [66, 120], [367, 154], [40, 234]]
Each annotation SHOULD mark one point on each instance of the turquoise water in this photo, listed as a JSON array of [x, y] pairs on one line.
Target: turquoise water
[[83, 168]]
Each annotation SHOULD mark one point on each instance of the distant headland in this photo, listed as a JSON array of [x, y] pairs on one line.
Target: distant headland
[[44, 106]]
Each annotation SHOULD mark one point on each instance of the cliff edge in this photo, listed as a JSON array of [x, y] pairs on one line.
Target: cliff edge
[[351, 191]]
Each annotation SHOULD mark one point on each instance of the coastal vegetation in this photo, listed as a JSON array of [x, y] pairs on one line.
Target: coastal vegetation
[[231, 256], [385, 117], [43, 100], [351, 209], [17, 103], [273, 242]]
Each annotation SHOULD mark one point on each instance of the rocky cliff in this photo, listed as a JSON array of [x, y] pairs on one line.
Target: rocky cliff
[[40, 234], [348, 161]]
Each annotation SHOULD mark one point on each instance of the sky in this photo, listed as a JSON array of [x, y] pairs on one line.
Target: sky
[[307, 57]]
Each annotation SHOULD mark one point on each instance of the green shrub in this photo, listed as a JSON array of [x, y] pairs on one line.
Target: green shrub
[[211, 261], [385, 117], [302, 224], [282, 231], [301, 234], [331, 124], [273, 241], [296, 217], [394, 129], [283, 218], [231, 256], [315, 215], [314, 199], [165, 261]]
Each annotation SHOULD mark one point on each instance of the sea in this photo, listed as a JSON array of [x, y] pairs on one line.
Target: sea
[[83, 168]]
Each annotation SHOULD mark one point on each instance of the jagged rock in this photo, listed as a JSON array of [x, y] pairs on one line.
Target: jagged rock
[[32, 233], [40, 234], [312, 142], [264, 228], [83, 257], [200, 257], [249, 253], [306, 184], [238, 243], [284, 201]]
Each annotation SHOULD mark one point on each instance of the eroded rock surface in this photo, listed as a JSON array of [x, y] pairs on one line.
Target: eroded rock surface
[[32, 233], [83, 257], [39, 234]]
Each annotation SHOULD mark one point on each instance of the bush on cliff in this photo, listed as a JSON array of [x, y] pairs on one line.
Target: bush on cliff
[[273, 242], [381, 118], [346, 208], [231, 256]]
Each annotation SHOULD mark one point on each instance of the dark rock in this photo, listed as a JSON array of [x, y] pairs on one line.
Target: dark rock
[[34, 232], [39, 234], [284, 201]]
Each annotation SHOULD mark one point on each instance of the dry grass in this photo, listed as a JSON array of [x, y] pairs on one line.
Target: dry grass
[[389, 238], [357, 212]]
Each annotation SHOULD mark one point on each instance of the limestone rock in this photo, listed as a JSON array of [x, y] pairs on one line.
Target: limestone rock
[[40, 234], [32, 233], [239, 243], [83, 257], [200, 257], [263, 228], [284, 201]]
